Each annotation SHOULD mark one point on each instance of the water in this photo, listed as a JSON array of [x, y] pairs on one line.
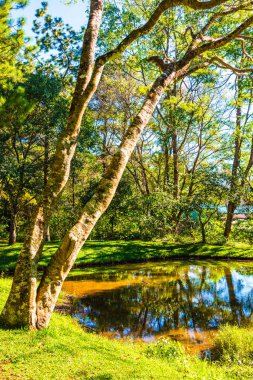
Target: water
[[186, 301]]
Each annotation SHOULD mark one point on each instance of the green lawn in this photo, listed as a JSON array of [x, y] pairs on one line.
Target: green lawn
[[65, 351], [111, 252]]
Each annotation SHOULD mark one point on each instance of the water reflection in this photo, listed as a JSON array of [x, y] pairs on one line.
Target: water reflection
[[182, 300]]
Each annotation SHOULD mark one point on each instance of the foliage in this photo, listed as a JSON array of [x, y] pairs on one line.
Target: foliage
[[233, 345], [12, 40], [180, 172], [59, 45], [243, 231], [165, 349], [193, 159], [31, 118]]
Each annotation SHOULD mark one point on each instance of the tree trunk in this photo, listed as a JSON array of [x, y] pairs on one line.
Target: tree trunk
[[234, 186], [143, 171], [177, 221], [20, 309], [229, 219], [13, 229], [173, 123], [175, 166], [166, 180], [66, 254], [46, 170], [46, 155], [48, 236], [203, 232], [23, 290]]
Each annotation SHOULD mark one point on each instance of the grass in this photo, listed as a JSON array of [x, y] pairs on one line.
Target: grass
[[234, 345], [65, 351], [112, 252]]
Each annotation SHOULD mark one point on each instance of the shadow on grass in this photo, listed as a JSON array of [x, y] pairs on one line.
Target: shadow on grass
[[113, 252]]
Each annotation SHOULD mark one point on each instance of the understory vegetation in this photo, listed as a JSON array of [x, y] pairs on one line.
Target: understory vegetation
[[69, 352]]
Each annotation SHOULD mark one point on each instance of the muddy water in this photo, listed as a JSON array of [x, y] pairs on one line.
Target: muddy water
[[187, 301]]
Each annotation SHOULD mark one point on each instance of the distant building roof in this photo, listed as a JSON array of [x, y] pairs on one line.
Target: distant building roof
[[239, 210]]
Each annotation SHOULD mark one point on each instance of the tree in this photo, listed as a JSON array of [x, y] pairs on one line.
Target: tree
[[11, 44], [242, 137], [26, 305], [17, 157], [31, 117]]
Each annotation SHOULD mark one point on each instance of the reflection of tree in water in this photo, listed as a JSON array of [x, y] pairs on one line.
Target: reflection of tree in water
[[194, 297]]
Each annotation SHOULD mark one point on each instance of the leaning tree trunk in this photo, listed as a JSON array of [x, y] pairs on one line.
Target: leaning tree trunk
[[20, 308], [64, 258], [21, 304]]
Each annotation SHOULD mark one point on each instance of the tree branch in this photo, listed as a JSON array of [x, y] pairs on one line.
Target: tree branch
[[158, 61], [224, 65], [151, 23]]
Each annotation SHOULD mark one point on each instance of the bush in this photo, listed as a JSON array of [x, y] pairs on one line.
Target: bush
[[233, 345], [242, 230], [165, 349]]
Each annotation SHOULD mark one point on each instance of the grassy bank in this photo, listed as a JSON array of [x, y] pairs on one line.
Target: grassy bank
[[65, 351], [111, 252]]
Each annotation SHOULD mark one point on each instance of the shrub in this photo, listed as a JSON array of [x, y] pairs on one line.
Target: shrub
[[233, 345], [165, 349]]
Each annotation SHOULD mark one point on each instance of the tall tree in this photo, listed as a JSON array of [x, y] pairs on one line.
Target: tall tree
[[26, 305], [31, 110], [11, 44], [240, 171]]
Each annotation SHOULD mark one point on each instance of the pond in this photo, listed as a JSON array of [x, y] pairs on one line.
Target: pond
[[186, 301]]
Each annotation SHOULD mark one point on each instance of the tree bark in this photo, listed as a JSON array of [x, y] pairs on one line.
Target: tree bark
[[229, 220], [13, 229], [203, 232], [64, 258], [166, 180], [234, 188], [175, 165], [173, 122], [20, 309], [46, 170], [46, 155], [48, 236]]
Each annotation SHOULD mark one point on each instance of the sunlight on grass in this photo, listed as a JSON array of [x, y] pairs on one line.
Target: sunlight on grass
[[65, 351], [112, 252]]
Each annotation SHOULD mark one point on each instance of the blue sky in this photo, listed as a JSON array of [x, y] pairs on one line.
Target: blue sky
[[72, 14]]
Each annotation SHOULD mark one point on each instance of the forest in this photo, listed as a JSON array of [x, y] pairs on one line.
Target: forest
[[190, 174], [129, 139]]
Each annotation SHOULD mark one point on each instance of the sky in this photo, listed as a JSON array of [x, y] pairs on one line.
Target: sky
[[71, 14]]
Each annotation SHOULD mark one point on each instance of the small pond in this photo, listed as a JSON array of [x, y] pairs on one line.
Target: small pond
[[186, 301]]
